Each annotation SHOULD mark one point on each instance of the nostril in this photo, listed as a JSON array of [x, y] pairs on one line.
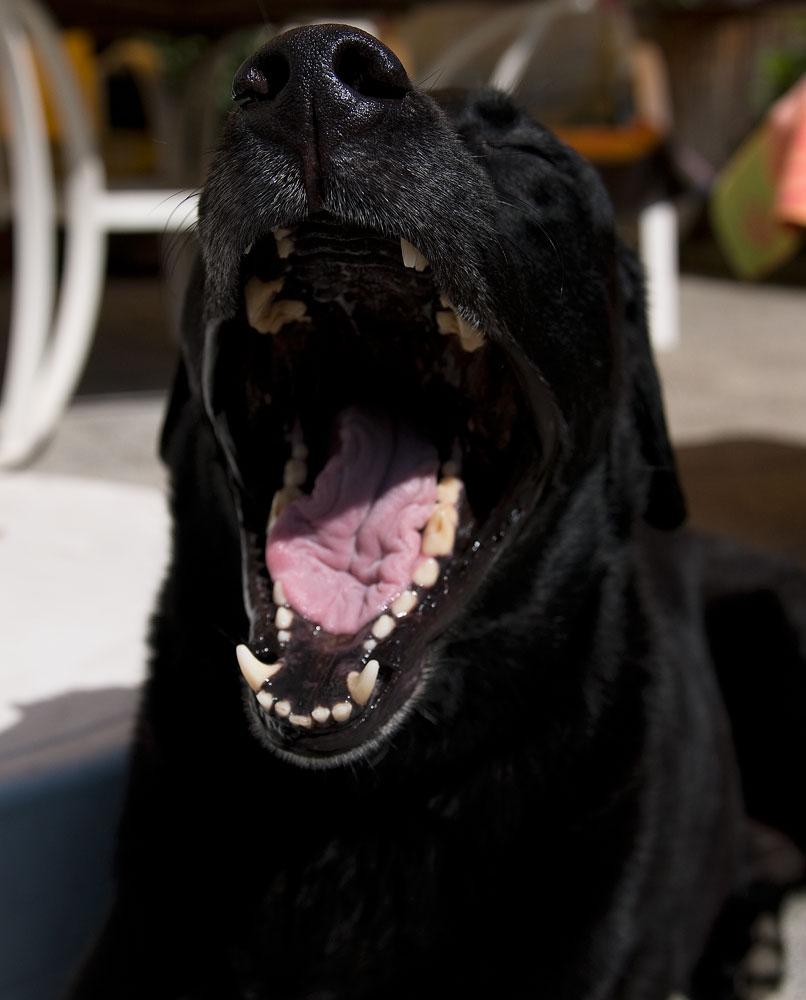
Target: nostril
[[262, 83], [366, 72]]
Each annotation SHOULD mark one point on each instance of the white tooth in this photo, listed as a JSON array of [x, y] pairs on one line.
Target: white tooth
[[762, 961], [370, 644], [278, 594], [285, 248], [295, 472], [284, 618], [284, 636], [360, 685], [342, 711], [470, 338], [283, 709], [304, 721], [383, 626], [265, 700], [404, 603], [259, 297], [255, 672], [447, 323], [299, 450], [412, 256], [440, 531], [409, 253], [450, 322], [285, 244], [427, 573], [449, 489], [321, 714], [281, 499], [249, 249], [281, 313]]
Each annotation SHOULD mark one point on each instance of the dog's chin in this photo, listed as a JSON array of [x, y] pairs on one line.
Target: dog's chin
[[365, 740], [383, 451]]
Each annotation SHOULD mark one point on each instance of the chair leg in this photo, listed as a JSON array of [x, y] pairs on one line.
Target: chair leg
[[658, 242], [34, 219], [46, 352]]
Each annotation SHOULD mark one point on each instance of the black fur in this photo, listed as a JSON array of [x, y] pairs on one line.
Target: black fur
[[543, 799]]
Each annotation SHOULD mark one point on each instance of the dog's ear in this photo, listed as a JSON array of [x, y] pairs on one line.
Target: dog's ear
[[665, 503]]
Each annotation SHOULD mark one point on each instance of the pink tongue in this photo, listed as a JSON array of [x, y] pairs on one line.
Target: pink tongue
[[344, 552]]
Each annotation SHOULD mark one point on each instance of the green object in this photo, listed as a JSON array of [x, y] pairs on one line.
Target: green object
[[742, 210]]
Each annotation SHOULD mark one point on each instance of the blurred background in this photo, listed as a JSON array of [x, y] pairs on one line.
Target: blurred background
[[693, 110]]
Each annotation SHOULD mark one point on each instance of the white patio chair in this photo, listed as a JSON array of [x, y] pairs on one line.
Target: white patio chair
[[53, 313]]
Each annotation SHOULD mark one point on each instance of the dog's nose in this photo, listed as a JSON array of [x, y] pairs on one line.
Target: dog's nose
[[315, 86]]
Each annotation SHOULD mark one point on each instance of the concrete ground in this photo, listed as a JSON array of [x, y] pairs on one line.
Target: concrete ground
[[740, 370]]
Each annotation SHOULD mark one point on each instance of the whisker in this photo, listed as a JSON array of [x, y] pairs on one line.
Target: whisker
[[532, 212]]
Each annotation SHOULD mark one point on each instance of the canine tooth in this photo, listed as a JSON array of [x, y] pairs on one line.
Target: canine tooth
[[383, 626], [295, 472], [281, 499], [259, 297], [255, 672], [427, 573], [249, 249], [283, 709], [412, 256], [284, 618], [361, 684], [342, 711], [404, 603], [299, 450], [278, 594], [449, 489], [284, 635], [321, 714], [440, 531], [265, 700], [304, 721]]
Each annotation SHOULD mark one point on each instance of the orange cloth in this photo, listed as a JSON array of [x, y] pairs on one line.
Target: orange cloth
[[787, 120]]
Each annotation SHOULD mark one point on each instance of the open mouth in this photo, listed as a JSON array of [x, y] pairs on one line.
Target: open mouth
[[384, 451]]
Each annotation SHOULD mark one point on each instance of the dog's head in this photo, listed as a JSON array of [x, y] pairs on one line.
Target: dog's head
[[417, 337]]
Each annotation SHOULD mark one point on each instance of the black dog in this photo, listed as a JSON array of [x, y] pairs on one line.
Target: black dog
[[477, 744]]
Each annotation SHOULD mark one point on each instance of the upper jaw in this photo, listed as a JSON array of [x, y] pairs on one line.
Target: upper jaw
[[393, 183]]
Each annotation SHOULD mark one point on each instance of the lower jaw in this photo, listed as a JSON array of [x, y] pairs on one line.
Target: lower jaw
[[365, 739]]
